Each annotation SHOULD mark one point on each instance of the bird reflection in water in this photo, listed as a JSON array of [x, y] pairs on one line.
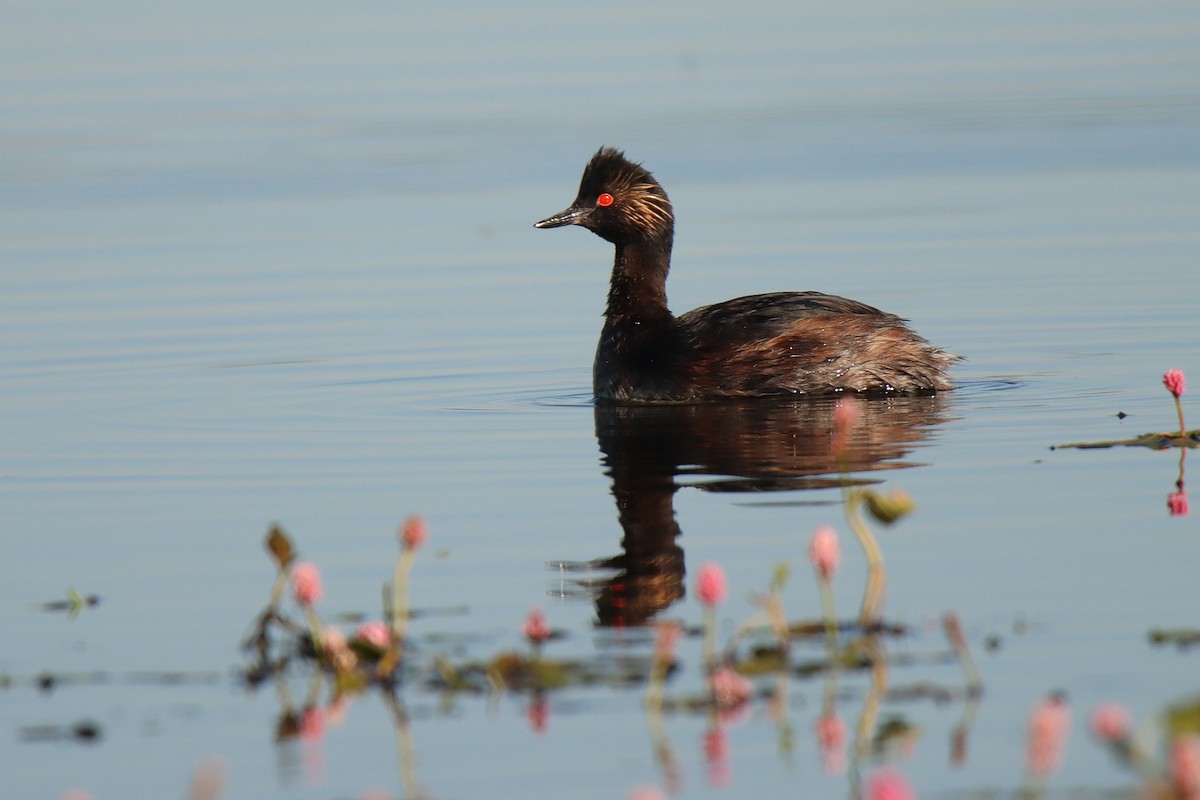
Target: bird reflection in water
[[761, 445]]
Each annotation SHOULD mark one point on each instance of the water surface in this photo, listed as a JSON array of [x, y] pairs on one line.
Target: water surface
[[277, 264]]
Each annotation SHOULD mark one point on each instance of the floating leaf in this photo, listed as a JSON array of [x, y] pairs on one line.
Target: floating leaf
[[1180, 637], [1155, 441], [74, 603]]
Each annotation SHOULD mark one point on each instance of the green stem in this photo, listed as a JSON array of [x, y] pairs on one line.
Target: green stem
[[709, 645], [654, 686], [876, 577], [281, 581], [830, 615], [314, 630], [400, 595]]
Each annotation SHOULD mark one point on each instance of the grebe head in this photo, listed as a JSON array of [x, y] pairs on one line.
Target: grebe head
[[618, 201]]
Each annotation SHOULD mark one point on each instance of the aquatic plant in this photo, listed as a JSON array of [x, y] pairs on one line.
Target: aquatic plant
[[306, 588], [710, 588], [824, 553], [1176, 776], [1110, 722], [413, 534], [536, 630], [734, 683], [1173, 380], [374, 634], [1184, 440], [886, 508], [1046, 737], [889, 784], [306, 584], [710, 584]]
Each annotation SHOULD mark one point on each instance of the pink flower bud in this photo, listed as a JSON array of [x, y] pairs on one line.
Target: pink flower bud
[[845, 414], [716, 755], [333, 639], [646, 793], [831, 740], [710, 584], [665, 637], [1111, 723], [414, 532], [1173, 380], [730, 688], [306, 584], [374, 633], [1049, 725], [538, 712], [536, 629], [1177, 504], [312, 724], [823, 551], [1185, 766], [889, 784], [337, 649]]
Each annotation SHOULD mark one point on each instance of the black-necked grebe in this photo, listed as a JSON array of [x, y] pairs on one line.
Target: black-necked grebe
[[764, 344]]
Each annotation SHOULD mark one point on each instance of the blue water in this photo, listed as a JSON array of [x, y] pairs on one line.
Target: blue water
[[277, 264]]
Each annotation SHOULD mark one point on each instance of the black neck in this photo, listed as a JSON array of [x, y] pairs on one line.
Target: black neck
[[639, 281]]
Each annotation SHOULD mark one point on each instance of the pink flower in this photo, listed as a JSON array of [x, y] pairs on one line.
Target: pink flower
[[1173, 380], [306, 584], [666, 635], [1177, 504], [536, 629], [1185, 766], [889, 784], [716, 744], [1111, 722], [831, 740], [538, 712], [710, 584], [1049, 724], [716, 755], [312, 724], [845, 414], [334, 641], [414, 532], [730, 688], [646, 793], [208, 781], [374, 633], [337, 650], [823, 551], [335, 712]]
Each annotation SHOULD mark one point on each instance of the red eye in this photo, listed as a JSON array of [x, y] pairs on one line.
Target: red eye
[[605, 199]]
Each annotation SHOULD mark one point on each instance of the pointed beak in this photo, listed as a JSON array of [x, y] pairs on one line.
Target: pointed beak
[[571, 216]]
